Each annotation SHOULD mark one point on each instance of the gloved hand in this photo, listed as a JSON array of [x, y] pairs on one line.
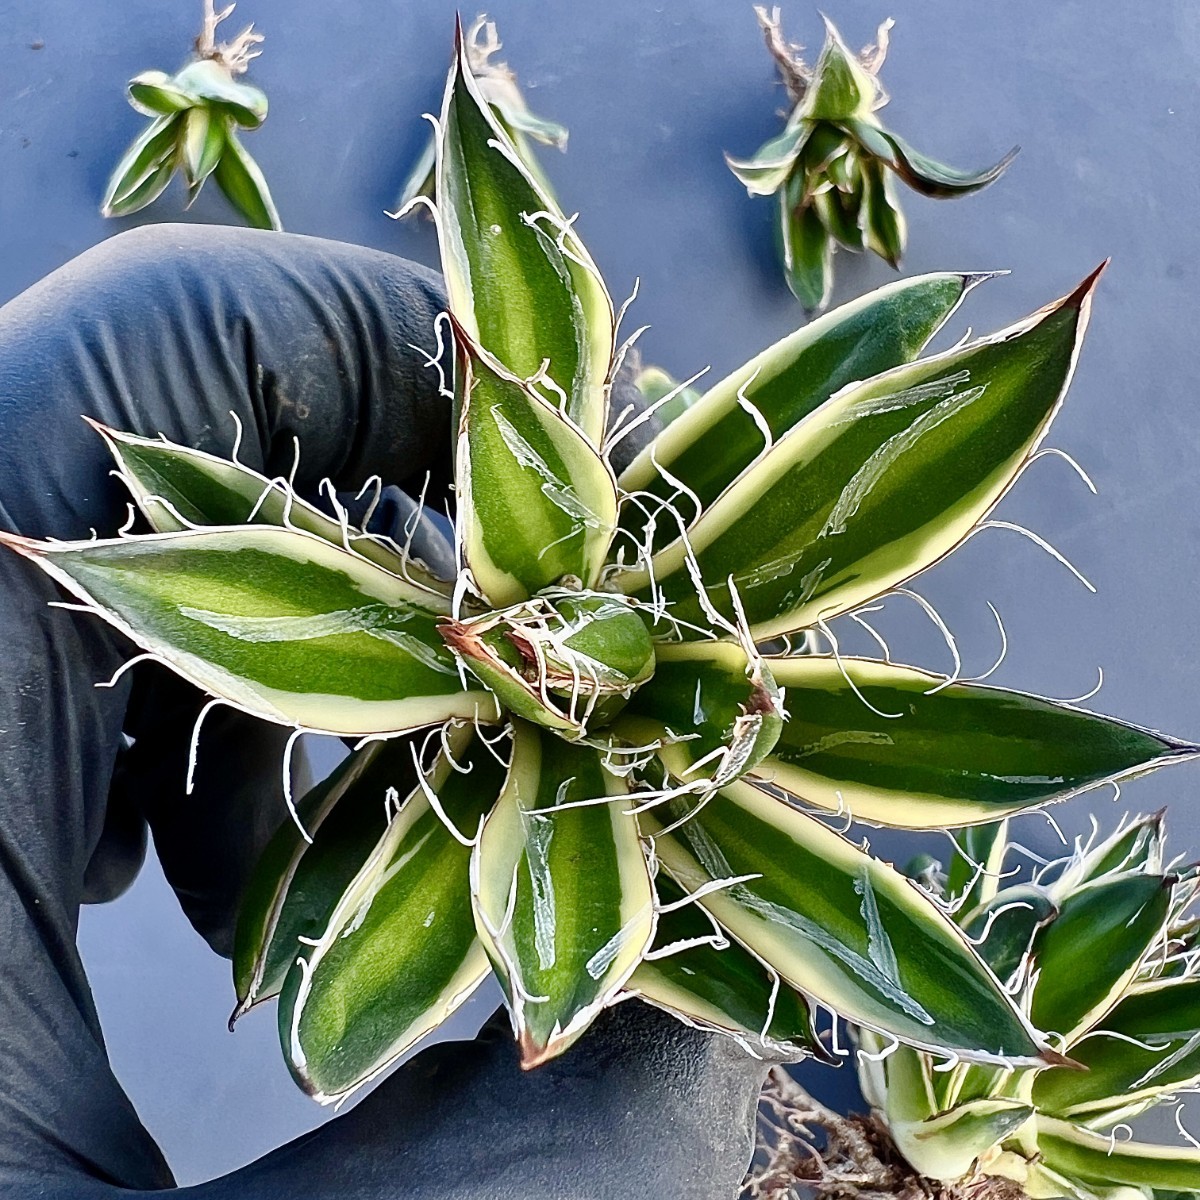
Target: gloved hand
[[166, 330]]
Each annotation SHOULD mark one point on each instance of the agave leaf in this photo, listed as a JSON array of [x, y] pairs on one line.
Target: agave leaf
[[841, 214], [947, 1145], [1081, 1154], [155, 93], [973, 876], [922, 174], [880, 482], [177, 487], [399, 952], [841, 88], [883, 223], [146, 192], [711, 444], [882, 742], [1004, 928], [275, 622], [725, 990], [1088, 955], [842, 927], [519, 279], [144, 170], [766, 169], [805, 247], [203, 142], [244, 185], [309, 863], [726, 704], [1122, 1074], [563, 899], [536, 502], [1136, 847], [209, 80]]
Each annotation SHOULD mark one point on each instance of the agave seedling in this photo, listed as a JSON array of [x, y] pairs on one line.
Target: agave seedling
[[834, 166], [497, 85], [611, 799], [1101, 951], [195, 116]]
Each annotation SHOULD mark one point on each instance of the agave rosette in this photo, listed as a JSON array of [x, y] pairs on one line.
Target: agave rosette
[[196, 116], [1100, 949], [611, 798], [834, 167]]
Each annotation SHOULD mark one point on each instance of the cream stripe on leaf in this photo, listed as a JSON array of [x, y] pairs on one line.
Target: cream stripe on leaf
[[563, 899], [710, 445], [519, 279], [536, 502], [840, 926], [398, 953], [276, 622], [877, 484], [721, 987], [1096, 1159], [307, 865], [894, 746], [177, 487]]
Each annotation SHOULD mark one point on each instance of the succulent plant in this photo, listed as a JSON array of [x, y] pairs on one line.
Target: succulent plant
[[610, 798], [1100, 949], [195, 116], [834, 167], [497, 85]]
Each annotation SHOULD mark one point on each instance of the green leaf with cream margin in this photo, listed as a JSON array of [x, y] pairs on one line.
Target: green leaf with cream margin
[[898, 746], [177, 488], [519, 279], [724, 702], [309, 862], [1097, 1158], [399, 952], [718, 985], [1148, 1047], [275, 622], [879, 483], [840, 926], [563, 898], [710, 445], [536, 502]]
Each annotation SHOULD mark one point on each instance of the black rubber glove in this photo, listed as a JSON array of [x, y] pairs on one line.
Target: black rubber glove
[[168, 329]]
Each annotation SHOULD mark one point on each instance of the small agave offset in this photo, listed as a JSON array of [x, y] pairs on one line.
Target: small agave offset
[[834, 166], [195, 116], [619, 793], [1102, 949]]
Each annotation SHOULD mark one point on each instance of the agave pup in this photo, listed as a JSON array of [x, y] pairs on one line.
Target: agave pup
[[1101, 949], [618, 790], [195, 116], [834, 167]]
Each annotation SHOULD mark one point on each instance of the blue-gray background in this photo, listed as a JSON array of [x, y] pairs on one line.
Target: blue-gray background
[[1102, 95]]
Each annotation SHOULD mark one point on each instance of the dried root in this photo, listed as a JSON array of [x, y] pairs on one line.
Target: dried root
[[856, 1158]]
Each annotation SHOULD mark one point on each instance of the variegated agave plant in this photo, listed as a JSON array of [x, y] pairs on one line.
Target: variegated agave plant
[[612, 799], [834, 167], [1099, 949]]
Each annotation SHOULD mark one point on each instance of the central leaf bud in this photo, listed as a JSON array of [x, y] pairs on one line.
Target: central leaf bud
[[568, 661]]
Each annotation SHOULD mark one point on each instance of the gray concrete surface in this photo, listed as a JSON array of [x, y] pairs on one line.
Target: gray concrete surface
[[1103, 98]]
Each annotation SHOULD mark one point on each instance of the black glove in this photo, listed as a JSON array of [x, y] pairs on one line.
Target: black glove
[[166, 330]]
